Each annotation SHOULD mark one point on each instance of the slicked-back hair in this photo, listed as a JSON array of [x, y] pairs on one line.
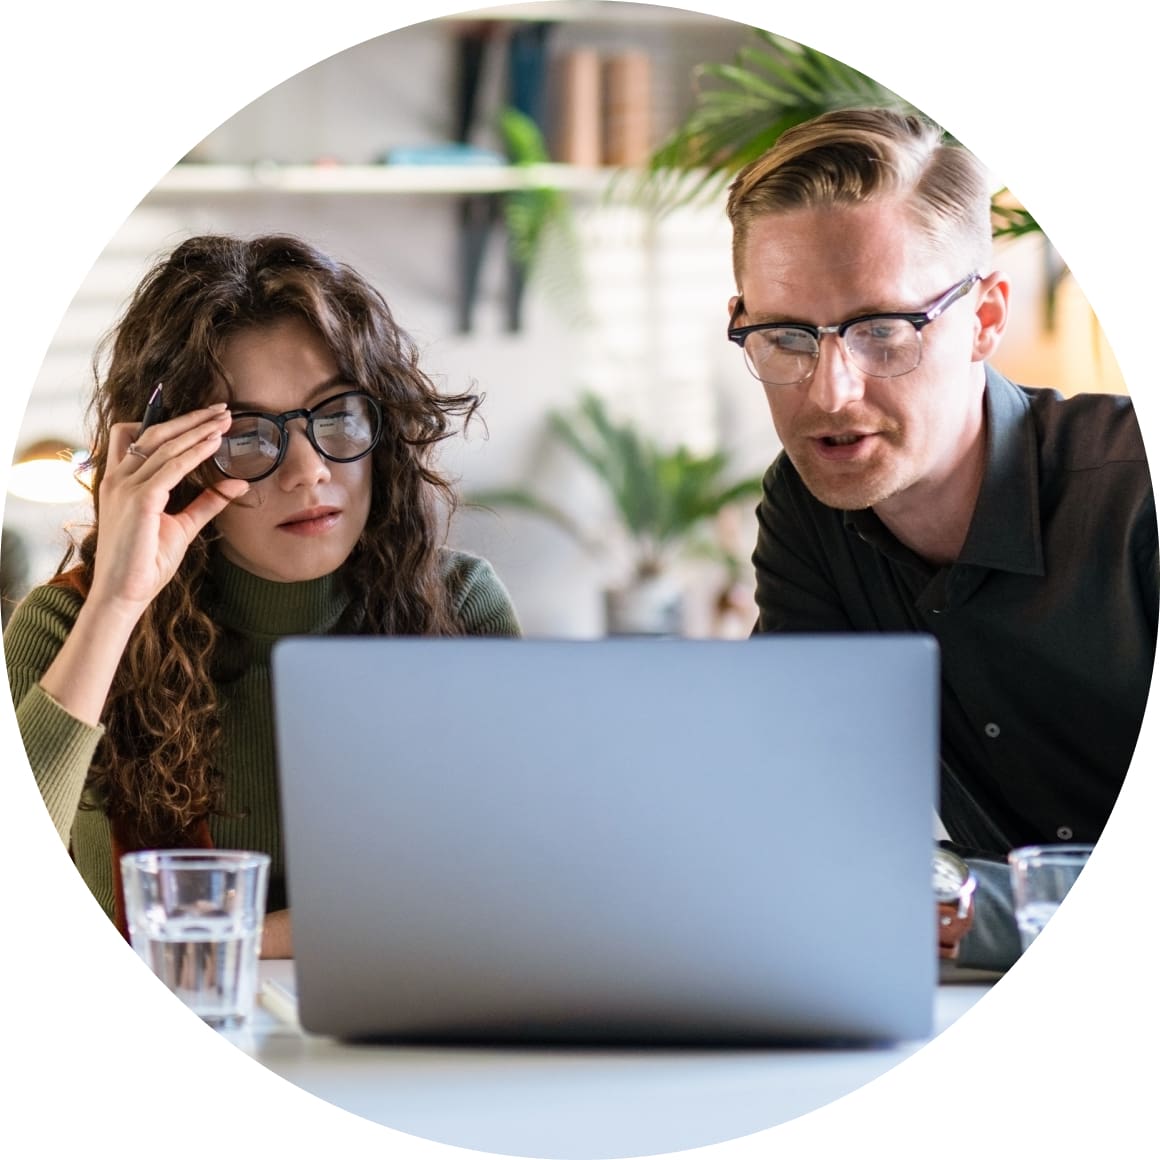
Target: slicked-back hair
[[852, 157]]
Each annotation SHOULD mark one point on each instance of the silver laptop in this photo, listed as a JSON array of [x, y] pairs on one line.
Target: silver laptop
[[624, 840]]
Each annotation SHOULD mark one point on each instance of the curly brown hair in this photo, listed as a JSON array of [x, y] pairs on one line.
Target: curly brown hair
[[154, 770]]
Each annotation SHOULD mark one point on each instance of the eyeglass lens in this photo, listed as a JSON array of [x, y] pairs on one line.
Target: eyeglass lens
[[342, 429], [882, 347]]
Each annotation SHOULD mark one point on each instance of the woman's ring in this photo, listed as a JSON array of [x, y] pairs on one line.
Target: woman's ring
[[133, 449]]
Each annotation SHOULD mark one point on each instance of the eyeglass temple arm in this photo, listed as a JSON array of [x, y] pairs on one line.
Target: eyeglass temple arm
[[951, 297]]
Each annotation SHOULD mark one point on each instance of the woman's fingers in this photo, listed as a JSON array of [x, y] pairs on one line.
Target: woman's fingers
[[164, 464], [166, 439], [208, 504], [140, 545], [122, 434]]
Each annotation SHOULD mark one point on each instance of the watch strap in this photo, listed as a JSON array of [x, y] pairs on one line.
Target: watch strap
[[955, 919]]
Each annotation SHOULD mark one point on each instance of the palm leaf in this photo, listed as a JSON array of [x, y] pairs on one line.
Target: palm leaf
[[619, 456], [1011, 221], [526, 501], [744, 489], [742, 108]]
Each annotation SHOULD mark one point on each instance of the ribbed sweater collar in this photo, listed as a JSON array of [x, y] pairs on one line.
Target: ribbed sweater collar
[[268, 609]]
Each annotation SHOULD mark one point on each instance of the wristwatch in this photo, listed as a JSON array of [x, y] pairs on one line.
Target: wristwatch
[[954, 892]]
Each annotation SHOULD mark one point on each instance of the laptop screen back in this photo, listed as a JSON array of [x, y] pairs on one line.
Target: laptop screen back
[[622, 840]]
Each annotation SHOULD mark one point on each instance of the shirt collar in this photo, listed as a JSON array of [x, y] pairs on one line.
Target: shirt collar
[[1005, 530]]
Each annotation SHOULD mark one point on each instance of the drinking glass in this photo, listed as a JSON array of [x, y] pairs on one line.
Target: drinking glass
[[1040, 878], [195, 916]]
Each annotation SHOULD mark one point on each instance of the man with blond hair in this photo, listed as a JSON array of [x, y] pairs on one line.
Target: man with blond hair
[[918, 490]]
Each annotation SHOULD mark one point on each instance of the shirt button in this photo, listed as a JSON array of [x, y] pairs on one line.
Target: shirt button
[[1064, 833], [991, 729]]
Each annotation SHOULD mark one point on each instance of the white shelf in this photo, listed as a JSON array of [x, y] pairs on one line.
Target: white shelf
[[207, 179]]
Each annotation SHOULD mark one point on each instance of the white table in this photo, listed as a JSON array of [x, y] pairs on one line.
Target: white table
[[570, 1103]]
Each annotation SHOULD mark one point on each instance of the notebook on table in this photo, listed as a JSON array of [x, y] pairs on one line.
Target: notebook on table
[[625, 840]]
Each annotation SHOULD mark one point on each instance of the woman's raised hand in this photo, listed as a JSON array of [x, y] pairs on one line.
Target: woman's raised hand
[[140, 545]]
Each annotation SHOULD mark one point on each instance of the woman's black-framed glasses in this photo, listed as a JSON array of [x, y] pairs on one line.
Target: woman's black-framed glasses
[[341, 429], [884, 346]]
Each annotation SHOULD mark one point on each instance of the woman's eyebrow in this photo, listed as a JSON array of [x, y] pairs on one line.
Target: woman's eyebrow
[[336, 380]]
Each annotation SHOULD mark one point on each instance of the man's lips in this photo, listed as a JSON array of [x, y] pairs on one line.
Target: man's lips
[[842, 445]]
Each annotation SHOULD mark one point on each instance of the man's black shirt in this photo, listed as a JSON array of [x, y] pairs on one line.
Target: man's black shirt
[[1046, 622]]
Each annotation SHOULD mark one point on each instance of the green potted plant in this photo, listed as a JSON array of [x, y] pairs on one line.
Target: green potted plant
[[664, 500]]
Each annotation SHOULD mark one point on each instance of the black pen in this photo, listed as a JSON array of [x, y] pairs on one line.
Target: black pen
[[153, 412]]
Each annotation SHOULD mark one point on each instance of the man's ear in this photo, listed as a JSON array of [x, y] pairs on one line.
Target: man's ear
[[733, 303], [991, 314]]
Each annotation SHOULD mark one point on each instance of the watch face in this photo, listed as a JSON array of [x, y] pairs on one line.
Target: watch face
[[950, 875]]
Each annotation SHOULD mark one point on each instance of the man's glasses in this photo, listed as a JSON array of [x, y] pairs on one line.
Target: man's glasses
[[881, 345], [342, 429]]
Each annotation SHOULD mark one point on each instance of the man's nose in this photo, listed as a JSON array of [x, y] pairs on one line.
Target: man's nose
[[836, 381]]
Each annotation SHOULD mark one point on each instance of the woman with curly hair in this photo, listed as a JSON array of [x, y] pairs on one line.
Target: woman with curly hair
[[288, 487]]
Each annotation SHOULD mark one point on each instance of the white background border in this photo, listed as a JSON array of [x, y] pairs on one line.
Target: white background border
[[101, 99]]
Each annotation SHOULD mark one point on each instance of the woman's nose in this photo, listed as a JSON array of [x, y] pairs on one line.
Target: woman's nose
[[302, 465]]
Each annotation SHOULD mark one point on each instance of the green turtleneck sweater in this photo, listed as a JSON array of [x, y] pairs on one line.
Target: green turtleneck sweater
[[60, 748]]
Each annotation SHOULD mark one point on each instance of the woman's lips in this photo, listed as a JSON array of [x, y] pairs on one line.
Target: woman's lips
[[312, 522]]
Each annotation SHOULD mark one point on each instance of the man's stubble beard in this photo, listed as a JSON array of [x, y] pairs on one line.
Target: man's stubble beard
[[874, 484]]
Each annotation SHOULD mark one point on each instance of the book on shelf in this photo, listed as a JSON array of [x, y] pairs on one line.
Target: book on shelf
[[627, 107], [603, 108], [578, 131]]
